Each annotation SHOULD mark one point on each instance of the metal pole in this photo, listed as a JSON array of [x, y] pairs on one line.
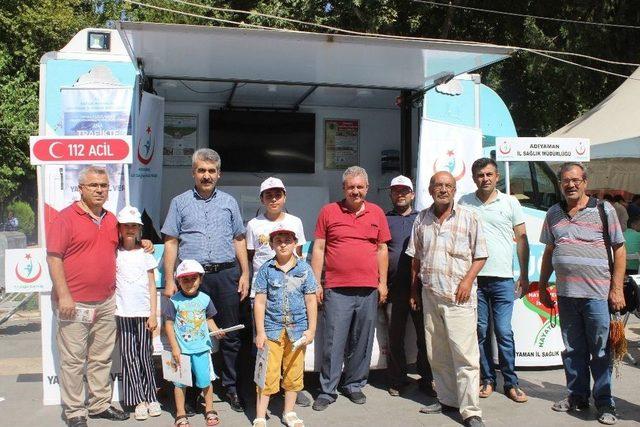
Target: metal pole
[[507, 178]]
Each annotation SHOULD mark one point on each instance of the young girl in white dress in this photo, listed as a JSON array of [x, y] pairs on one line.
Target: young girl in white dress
[[136, 308]]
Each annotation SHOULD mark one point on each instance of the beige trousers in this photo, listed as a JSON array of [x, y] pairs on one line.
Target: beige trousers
[[452, 348], [81, 344]]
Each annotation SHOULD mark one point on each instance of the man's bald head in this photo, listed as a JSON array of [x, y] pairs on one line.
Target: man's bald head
[[442, 187], [440, 174]]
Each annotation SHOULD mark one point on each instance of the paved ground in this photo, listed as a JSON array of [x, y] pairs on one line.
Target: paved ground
[[21, 395]]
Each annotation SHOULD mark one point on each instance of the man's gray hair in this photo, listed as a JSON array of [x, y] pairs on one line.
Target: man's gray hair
[[569, 165], [91, 170], [206, 155], [355, 171]]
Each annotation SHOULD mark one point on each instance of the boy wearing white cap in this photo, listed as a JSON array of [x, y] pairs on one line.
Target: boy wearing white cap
[[273, 196], [136, 304], [285, 312], [188, 320]]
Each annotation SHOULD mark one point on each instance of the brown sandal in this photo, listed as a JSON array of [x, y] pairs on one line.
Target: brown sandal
[[182, 421], [485, 390], [212, 419], [517, 395]]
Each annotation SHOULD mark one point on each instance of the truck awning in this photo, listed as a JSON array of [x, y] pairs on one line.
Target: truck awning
[[210, 58]]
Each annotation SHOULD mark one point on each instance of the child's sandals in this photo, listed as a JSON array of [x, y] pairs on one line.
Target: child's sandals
[[292, 420], [182, 421], [260, 422], [212, 419]]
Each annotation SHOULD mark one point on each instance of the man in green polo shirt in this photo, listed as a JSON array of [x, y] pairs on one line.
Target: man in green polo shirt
[[632, 243], [502, 221]]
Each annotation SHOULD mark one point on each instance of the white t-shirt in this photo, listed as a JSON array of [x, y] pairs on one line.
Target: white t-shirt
[[132, 283], [258, 230]]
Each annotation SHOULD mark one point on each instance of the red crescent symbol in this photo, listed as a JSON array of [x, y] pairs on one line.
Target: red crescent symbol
[[583, 151], [459, 177], [142, 159], [505, 152], [27, 280]]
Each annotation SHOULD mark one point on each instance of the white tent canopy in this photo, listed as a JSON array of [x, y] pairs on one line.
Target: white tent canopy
[[613, 126]]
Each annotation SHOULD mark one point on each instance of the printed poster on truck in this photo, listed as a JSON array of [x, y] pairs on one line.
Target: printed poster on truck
[[341, 143], [180, 138]]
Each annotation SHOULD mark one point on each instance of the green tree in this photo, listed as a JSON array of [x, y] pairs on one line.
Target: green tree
[[28, 29]]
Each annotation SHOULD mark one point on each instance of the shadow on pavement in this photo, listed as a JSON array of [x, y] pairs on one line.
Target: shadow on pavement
[[22, 328]]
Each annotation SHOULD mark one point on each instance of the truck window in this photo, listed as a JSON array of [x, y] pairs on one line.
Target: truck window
[[533, 183]]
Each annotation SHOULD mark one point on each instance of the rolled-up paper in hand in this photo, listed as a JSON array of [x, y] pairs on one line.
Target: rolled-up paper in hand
[[229, 329], [299, 342]]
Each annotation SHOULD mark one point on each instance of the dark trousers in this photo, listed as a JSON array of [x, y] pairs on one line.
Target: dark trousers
[[349, 317], [222, 288], [397, 360]]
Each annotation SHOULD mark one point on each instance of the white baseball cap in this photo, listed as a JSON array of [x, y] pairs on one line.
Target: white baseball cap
[[281, 229], [270, 183], [401, 180], [129, 215], [189, 267]]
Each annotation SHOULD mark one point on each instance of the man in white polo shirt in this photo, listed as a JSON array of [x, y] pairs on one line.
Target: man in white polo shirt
[[502, 220]]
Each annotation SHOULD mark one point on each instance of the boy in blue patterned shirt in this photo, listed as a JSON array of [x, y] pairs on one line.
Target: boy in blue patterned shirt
[[188, 320], [285, 311]]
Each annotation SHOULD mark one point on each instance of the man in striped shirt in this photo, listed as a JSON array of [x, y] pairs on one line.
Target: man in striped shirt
[[448, 251], [575, 237]]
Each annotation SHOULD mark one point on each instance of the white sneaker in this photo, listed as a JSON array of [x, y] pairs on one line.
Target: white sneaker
[[142, 411], [154, 409]]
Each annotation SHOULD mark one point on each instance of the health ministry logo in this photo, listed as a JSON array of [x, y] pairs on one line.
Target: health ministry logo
[[450, 163], [505, 148], [26, 271], [146, 147]]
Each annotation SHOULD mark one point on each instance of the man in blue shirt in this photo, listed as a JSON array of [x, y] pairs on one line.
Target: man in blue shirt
[[400, 220], [205, 224]]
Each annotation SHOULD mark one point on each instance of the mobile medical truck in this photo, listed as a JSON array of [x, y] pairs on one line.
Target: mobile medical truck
[[305, 107]]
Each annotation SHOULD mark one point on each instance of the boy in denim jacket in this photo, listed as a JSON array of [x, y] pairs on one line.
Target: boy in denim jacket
[[285, 311]]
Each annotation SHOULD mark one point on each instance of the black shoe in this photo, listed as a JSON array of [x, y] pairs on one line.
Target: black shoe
[[234, 401], [438, 408], [190, 410], [356, 397], [302, 400], [427, 388], [77, 422], [321, 404], [473, 421], [112, 413]]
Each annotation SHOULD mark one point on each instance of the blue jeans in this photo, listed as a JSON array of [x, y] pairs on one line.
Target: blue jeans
[[496, 296], [584, 323]]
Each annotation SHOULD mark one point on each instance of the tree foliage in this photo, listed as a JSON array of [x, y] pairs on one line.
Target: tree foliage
[[28, 29]]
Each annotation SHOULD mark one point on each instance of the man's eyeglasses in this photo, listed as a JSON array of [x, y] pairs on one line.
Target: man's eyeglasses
[[447, 187], [576, 181], [95, 185]]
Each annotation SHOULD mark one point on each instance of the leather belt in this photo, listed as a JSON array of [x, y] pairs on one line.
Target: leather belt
[[216, 267]]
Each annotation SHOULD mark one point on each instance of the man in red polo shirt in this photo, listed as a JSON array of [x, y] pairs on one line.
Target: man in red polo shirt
[[350, 242], [81, 254]]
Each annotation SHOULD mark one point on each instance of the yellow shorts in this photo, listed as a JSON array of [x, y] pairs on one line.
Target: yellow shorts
[[283, 363]]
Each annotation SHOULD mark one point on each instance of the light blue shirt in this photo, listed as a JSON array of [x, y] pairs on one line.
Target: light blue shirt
[[189, 316], [286, 308], [205, 227], [498, 217]]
